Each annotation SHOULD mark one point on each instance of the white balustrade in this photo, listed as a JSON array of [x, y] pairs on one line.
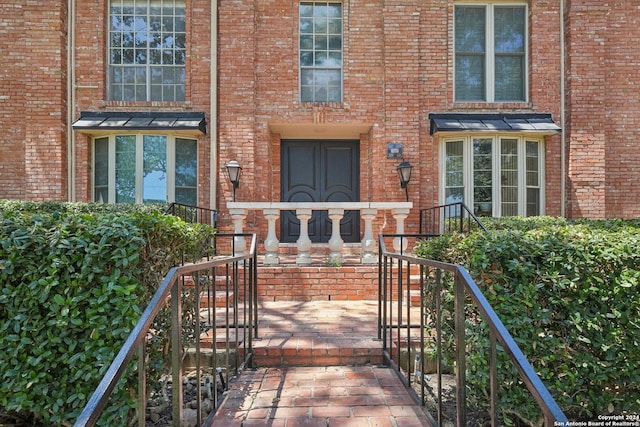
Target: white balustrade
[[304, 210]]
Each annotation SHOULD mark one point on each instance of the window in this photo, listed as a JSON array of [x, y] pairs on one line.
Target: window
[[495, 175], [147, 50], [320, 52], [145, 169], [490, 52]]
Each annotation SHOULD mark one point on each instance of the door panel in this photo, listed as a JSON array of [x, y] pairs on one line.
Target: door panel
[[320, 171]]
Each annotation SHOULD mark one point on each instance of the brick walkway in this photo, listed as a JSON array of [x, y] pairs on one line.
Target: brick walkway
[[319, 365], [319, 396]]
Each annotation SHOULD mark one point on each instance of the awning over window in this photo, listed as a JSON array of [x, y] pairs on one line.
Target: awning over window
[[118, 120], [540, 123]]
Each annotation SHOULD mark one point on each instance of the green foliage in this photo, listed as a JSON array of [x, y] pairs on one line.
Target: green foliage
[[75, 279], [569, 293]]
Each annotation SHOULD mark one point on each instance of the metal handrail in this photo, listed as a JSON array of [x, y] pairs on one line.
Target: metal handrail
[[447, 218], [497, 331], [194, 214], [169, 289]]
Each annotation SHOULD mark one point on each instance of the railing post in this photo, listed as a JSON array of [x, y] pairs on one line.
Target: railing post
[[400, 243], [335, 242], [303, 242], [461, 369], [271, 243], [368, 242], [176, 351], [238, 215]]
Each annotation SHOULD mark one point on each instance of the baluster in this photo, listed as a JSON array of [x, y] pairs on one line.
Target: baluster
[[335, 242], [239, 244], [400, 243], [303, 242], [368, 242], [271, 243]]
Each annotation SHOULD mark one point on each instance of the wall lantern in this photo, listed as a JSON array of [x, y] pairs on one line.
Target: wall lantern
[[404, 171], [233, 170]]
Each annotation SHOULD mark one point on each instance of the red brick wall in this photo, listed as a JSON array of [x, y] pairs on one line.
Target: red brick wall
[[398, 67], [91, 80], [33, 162], [603, 109]]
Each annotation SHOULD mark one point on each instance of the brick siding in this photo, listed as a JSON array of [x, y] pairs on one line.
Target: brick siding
[[398, 68]]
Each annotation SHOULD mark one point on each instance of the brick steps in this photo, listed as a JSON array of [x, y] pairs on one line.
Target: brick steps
[[311, 316], [306, 333], [317, 351]]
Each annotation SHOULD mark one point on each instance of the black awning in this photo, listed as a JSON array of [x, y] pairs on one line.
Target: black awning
[[540, 123], [119, 120]]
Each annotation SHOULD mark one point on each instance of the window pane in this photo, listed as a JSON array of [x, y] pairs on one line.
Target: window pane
[[533, 178], [509, 176], [454, 172], [470, 78], [533, 201], [509, 78], [186, 163], [509, 29], [154, 170], [125, 169], [482, 176], [101, 170], [470, 29]]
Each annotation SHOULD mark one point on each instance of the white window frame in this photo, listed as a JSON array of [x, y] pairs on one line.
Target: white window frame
[[490, 49], [139, 184], [496, 199]]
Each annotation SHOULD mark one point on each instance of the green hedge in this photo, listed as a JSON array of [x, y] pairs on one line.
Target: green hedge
[[75, 279], [569, 293]]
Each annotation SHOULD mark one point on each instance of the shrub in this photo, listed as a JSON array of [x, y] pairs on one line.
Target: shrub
[[75, 279], [568, 292]]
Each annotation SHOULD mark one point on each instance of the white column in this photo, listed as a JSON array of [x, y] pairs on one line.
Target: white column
[[303, 242], [335, 242], [400, 214], [271, 243], [369, 255], [238, 215]]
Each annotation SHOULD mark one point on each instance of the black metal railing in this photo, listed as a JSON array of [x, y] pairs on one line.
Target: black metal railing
[[449, 218], [412, 335], [197, 215], [193, 214], [231, 279]]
